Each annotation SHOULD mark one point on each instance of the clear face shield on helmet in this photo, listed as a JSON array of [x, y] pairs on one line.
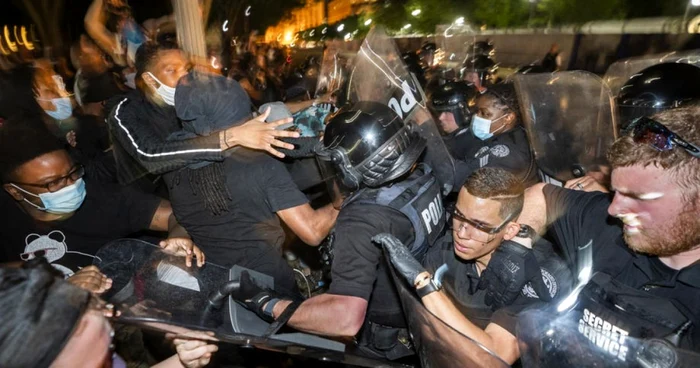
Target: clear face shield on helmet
[[333, 177]]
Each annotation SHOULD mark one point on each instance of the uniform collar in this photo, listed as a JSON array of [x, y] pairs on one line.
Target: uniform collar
[[688, 275]]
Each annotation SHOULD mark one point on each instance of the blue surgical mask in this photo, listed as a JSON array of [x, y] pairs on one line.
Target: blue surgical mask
[[66, 200], [481, 128], [64, 109]]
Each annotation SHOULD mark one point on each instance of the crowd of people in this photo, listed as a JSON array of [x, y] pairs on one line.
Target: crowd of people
[[247, 165]]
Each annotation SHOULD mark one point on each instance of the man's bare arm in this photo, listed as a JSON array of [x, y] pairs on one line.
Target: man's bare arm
[[535, 209], [327, 314], [311, 226]]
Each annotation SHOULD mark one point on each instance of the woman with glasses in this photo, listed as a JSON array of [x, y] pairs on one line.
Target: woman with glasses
[[483, 240]]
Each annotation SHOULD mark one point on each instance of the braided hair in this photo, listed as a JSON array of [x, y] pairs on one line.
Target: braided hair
[[209, 181], [505, 98]]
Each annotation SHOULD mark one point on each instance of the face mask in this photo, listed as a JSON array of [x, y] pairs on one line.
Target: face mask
[[66, 200], [64, 109], [482, 127], [167, 93]]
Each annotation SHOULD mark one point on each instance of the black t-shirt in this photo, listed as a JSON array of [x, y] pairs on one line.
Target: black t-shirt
[[510, 151], [109, 212], [580, 217], [358, 266], [461, 284], [250, 233]]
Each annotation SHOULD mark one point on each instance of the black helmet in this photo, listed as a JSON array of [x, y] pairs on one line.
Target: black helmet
[[413, 64], [457, 97], [484, 66], [482, 48], [369, 145], [657, 88]]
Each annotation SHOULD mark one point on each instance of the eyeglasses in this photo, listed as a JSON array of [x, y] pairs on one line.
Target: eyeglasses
[[485, 233], [76, 173], [655, 134]]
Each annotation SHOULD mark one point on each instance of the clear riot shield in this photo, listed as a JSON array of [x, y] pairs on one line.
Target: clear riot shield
[[569, 122], [455, 40], [333, 71], [621, 71], [380, 75], [156, 291], [594, 332], [438, 344]]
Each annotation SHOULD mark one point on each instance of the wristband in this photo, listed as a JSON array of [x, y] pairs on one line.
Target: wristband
[[428, 288], [270, 307]]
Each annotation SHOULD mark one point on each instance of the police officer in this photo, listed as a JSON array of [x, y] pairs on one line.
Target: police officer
[[485, 238], [373, 153], [480, 70], [644, 242], [657, 88], [453, 105], [496, 138]]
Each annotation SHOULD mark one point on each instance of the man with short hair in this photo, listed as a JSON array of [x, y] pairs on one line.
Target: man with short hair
[[645, 240], [51, 210], [482, 241]]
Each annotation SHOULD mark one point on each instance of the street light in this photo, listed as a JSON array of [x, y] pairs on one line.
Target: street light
[[459, 21], [368, 22], [341, 27], [415, 13], [407, 26]]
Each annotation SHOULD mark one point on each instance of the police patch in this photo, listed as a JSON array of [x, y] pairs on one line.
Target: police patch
[[500, 150], [549, 281]]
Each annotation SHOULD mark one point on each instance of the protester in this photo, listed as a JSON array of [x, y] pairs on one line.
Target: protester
[[233, 208], [49, 322], [51, 210]]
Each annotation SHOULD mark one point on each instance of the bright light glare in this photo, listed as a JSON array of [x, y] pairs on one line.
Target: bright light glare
[[407, 26], [341, 27], [415, 12], [695, 2], [459, 21], [225, 26], [247, 11], [368, 22]]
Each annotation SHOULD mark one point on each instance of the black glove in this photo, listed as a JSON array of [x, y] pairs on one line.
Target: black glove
[[253, 297], [510, 268], [400, 257]]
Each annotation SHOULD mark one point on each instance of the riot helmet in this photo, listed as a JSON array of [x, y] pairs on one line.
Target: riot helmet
[[368, 145], [413, 65], [484, 48], [456, 97], [481, 65], [657, 88]]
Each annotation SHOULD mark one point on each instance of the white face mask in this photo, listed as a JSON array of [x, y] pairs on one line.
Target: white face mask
[[167, 93]]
